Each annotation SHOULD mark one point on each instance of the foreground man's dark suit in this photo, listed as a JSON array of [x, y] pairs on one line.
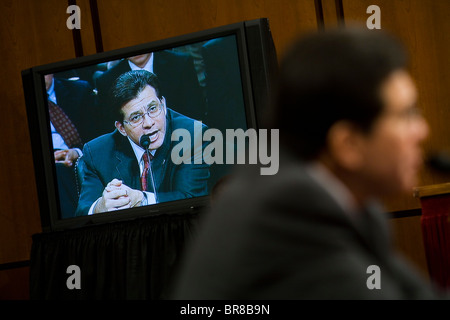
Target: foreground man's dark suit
[[285, 237], [112, 157]]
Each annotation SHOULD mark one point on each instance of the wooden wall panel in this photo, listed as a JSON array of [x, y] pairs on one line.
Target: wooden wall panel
[[15, 283], [330, 14], [133, 22], [424, 27], [31, 33], [87, 32], [408, 239]]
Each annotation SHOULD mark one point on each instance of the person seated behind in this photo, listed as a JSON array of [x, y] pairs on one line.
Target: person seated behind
[[314, 230], [72, 104], [114, 162]]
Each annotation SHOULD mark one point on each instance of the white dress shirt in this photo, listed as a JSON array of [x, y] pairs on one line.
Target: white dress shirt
[[148, 66]]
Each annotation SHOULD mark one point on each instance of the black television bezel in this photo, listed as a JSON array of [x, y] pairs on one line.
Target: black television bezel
[[258, 65]]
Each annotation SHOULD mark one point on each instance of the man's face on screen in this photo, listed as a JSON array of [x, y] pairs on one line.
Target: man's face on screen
[[140, 60], [145, 114]]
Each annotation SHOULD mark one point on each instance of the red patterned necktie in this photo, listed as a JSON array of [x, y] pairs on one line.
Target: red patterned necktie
[[144, 177], [63, 125]]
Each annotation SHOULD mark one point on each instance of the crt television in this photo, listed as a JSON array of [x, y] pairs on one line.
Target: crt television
[[221, 77]]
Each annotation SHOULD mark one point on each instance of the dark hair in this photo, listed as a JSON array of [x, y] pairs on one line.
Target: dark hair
[[128, 86], [330, 76]]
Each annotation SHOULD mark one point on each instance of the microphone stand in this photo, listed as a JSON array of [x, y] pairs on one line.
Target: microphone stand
[[145, 143]]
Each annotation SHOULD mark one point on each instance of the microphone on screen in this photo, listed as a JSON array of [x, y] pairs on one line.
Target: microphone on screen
[[144, 141]]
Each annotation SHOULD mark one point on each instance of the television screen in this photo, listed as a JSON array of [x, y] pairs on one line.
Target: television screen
[[146, 129]]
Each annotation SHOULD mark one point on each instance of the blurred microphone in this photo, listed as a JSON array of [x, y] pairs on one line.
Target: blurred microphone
[[144, 141], [439, 161]]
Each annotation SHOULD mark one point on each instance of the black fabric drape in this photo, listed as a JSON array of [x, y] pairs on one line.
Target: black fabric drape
[[123, 260]]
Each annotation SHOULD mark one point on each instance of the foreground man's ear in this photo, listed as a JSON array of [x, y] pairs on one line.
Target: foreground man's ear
[[345, 145]]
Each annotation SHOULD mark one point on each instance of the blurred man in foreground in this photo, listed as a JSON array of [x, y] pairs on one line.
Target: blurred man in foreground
[[350, 134]]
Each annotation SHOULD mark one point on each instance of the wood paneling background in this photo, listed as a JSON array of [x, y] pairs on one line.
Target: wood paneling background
[[34, 33], [29, 36], [133, 22]]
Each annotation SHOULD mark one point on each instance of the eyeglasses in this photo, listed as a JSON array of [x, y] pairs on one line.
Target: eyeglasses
[[153, 110], [407, 115]]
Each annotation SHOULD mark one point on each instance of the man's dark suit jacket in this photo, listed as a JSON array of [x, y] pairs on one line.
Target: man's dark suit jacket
[[79, 102], [285, 237], [112, 157], [178, 79]]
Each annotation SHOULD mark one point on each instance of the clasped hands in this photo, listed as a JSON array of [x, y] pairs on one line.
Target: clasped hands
[[118, 196]]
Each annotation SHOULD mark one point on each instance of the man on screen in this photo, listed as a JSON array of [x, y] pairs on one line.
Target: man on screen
[[115, 164], [177, 78]]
